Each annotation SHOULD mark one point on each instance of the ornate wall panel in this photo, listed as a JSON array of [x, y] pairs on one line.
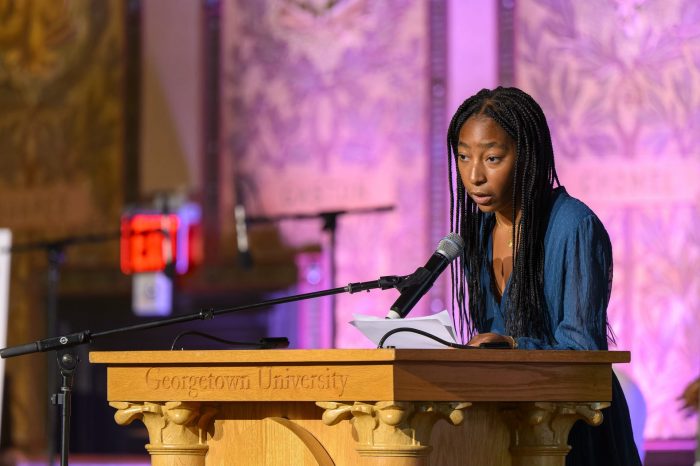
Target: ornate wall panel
[[62, 121], [620, 84], [61, 149], [325, 108]]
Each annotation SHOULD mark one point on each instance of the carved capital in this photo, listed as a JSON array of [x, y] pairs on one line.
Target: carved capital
[[393, 428], [175, 428], [539, 431]]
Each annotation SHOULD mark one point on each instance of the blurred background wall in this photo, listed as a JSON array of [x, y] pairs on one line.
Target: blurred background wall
[[619, 84], [324, 123], [62, 151]]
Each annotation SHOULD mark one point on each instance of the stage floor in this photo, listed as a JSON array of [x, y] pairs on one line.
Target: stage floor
[[658, 453]]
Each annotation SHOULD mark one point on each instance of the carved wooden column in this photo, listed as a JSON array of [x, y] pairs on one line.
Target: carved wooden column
[[394, 432], [177, 430], [539, 431]]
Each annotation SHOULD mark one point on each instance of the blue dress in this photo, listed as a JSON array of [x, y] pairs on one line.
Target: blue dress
[[577, 281]]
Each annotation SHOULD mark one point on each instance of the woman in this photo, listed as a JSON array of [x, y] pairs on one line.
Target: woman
[[537, 262]]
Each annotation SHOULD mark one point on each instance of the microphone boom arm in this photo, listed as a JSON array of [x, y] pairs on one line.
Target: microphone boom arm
[[86, 336]]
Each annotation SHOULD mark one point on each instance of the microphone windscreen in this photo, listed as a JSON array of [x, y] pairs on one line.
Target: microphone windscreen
[[451, 246]]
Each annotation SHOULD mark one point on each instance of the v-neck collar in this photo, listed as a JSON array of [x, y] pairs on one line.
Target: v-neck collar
[[500, 303]]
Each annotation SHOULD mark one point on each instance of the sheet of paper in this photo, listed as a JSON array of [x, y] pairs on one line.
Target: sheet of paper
[[375, 328]]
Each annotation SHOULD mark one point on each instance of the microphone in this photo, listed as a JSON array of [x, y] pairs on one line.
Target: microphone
[[242, 236], [418, 283]]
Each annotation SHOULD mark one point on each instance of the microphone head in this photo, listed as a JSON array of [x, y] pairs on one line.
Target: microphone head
[[451, 246]]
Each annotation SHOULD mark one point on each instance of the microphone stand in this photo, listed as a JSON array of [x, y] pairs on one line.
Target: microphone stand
[[330, 224], [68, 361], [55, 256]]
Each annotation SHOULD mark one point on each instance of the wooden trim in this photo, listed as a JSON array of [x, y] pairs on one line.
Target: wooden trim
[[242, 357], [499, 381]]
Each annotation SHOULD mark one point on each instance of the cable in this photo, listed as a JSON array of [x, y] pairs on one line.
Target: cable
[[425, 334], [487, 345], [264, 343]]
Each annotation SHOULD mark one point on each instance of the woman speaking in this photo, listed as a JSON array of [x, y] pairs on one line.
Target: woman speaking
[[537, 266]]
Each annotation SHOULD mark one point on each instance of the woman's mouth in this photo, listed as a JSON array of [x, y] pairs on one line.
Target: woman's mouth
[[481, 198]]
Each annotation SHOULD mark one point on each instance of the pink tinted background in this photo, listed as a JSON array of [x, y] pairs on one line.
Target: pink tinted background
[[328, 108], [620, 84]]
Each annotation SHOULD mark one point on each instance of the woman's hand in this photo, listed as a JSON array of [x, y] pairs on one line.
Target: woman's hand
[[690, 396], [491, 338]]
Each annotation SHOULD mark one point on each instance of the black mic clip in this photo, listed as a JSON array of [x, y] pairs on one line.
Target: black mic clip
[[384, 283], [416, 278]]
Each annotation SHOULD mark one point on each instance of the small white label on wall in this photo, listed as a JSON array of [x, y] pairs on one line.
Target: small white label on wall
[[152, 294]]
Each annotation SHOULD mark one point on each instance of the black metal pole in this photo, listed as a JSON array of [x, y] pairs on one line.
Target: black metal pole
[[67, 363], [330, 224], [55, 256]]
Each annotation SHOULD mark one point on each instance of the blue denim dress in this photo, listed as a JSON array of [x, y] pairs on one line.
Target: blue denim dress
[[577, 282]]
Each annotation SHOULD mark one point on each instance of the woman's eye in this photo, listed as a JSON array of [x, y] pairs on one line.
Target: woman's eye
[[463, 157], [493, 158]]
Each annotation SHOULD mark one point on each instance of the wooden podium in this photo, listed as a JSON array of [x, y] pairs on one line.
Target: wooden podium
[[384, 407]]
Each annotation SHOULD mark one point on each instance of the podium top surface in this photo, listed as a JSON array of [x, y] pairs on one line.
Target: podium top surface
[[359, 374], [369, 356]]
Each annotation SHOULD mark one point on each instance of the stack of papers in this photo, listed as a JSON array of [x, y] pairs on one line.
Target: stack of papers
[[439, 324]]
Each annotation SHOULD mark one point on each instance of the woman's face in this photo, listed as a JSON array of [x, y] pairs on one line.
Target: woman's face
[[486, 164]]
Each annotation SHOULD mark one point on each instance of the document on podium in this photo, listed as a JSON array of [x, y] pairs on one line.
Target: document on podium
[[439, 324]]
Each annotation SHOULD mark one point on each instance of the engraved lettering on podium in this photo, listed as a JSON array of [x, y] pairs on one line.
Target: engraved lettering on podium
[[270, 379], [162, 379], [174, 382]]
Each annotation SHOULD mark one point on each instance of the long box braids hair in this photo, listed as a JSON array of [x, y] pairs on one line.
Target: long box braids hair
[[534, 178]]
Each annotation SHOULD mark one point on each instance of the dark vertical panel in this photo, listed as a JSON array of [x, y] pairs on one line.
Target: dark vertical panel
[[132, 100], [211, 181], [506, 42], [437, 177]]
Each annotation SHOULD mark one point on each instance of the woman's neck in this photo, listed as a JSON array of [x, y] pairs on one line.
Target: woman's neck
[[506, 218]]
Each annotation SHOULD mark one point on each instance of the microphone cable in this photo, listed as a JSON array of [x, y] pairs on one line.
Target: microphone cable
[[487, 345]]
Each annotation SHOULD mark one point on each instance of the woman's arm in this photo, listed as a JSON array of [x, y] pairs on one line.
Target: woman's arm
[[579, 290]]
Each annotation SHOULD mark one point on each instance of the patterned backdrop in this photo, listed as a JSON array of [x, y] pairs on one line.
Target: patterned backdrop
[[620, 83], [325, 108], [62, 125]]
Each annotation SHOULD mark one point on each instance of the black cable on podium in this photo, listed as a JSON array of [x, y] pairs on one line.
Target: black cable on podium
[[67, 359]]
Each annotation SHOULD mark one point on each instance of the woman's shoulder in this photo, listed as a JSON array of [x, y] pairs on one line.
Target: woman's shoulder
[[570, 215]]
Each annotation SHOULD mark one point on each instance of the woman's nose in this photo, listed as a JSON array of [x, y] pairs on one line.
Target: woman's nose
[[476, 174]]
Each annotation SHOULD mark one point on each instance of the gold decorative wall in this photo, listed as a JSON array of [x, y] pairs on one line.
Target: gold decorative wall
[[61, 155], [61, 121]]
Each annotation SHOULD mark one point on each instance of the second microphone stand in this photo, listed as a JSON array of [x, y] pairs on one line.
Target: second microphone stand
[[330, 225]]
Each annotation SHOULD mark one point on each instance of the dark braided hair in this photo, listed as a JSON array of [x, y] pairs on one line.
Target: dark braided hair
[[533, 181]]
